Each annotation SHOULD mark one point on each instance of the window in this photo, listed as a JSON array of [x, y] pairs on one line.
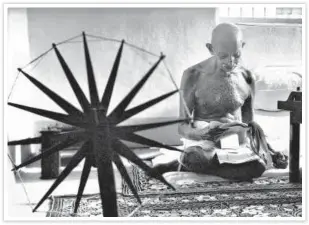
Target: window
[[288, 12], [260, 14]]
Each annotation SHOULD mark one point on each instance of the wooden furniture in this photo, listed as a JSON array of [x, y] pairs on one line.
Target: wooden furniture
[[50, 165], [294, 105]]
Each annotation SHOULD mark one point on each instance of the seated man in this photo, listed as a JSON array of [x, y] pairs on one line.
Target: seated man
[[218, 91]]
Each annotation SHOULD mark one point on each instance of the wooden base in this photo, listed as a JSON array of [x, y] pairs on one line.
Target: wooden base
[[294, 175], [50, 165], [294, 105]]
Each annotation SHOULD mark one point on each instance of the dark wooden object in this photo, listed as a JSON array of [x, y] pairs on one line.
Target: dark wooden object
[[294, 105], [49, 165]]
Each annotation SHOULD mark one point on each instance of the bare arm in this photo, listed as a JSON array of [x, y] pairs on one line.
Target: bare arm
[[187, 90], [247, 109]]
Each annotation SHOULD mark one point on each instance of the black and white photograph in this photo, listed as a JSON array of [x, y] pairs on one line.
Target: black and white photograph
[[136, 110]]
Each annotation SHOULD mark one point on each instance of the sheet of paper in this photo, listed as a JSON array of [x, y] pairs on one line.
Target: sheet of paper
[[231, 142], [236, 156]]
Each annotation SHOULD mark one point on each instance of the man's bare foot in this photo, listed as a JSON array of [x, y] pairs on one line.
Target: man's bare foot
[[166, 167]]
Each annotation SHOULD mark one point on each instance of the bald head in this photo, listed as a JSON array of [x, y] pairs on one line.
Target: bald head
[[226, 32], [226, 45]]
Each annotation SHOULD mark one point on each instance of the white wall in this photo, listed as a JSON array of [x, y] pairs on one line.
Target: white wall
[[273, 45], [18, 54]]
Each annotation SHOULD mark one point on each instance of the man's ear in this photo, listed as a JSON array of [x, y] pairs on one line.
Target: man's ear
[[243, 44], [210, 48]]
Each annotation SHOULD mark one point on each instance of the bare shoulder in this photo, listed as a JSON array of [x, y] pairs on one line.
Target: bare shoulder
[[193, 73]]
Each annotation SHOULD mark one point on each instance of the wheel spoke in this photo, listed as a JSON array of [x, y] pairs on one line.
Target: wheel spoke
[[91, 80], [111, 81], [76, 159], [51, 115], [124, 151], [75, 86], [125, 175], [140, 127], [117, 112], [83, 181], [133, 111], [65, 105], [144, 141], [26, 141], [47, 152]]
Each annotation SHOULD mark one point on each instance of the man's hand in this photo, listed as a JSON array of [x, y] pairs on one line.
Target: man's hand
[[215, 124], [212, 131], [217, 130]]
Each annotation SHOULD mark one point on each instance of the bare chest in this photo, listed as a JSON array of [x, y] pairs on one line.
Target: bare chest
[[220, 95]]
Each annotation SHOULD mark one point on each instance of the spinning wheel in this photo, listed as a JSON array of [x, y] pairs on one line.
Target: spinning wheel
[[98, 132]]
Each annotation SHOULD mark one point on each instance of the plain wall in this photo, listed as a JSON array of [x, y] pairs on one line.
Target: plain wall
[[18, 54], [272, 45]]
